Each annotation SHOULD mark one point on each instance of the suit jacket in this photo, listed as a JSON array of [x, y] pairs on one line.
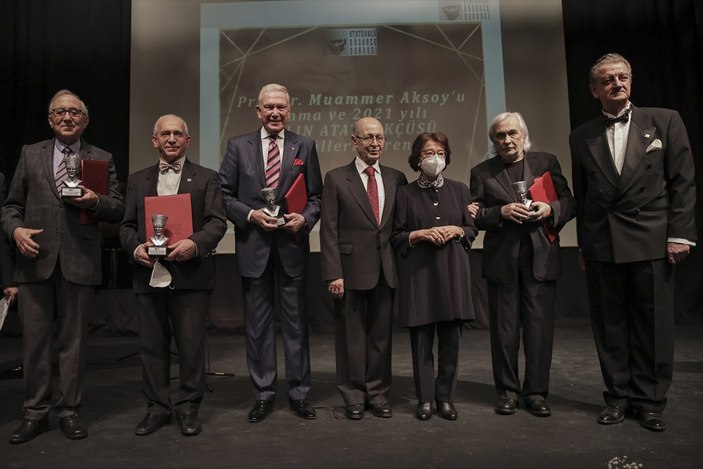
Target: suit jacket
[[491, 188], [353, 246], [629, 217], [209, 226], [242, 178], [7, 255], [34, 202]]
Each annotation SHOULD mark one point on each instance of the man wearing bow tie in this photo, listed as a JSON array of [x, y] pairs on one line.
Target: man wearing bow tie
[[57, 266], [633, 178], [180, 306], [270, 254]]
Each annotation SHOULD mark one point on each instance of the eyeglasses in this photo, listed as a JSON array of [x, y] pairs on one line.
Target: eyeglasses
[[370, 138], [61, 112], [430, 154]]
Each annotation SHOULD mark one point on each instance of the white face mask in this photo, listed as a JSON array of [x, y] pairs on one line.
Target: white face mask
[[432, 166]]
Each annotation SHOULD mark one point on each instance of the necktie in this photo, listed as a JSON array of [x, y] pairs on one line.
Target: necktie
[[372, 192], [61, 174], [273, 163], [164, 167], [612, 120]]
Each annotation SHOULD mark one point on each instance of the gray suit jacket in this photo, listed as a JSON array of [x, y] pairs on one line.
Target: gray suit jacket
[[34, 202], [352, 245], [629, 217], [7, 256]]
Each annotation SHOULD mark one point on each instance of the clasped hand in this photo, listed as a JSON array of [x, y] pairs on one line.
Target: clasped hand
[[519, 213], [438, 235], [294, 221]]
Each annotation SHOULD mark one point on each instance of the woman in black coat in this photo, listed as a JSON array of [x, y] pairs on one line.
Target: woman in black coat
[[432, 233]]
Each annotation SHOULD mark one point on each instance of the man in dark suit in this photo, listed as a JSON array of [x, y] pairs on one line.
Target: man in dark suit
[[7, 257], [358, 264], [520, 261], [633, 178], [269, 253], [58, 264], [180, 305]]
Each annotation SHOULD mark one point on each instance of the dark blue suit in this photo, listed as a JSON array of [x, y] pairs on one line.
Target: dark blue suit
[[263, 255]]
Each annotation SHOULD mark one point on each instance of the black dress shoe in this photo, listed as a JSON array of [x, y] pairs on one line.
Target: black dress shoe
[[354, 411], [446, 410], [260, 410], [151, 422], [506, 406], [190, 425], [539, 408], [652, 420], [382, 410], [423, 411], [302, 408], [72, 427], [29, 429], [611, 415]]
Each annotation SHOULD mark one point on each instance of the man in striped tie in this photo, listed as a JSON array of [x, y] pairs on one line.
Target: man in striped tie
[[58, 264], [271, 159]]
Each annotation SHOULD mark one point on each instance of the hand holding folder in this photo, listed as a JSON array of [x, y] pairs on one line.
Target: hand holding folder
[[542, 190]]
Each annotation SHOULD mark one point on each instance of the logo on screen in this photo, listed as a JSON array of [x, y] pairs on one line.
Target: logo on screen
[[351, 42]]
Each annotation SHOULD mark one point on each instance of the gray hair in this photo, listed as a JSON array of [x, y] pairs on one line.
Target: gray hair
[[60, 93], [610, 58], [493, 151], [156, 124], [272, 88]]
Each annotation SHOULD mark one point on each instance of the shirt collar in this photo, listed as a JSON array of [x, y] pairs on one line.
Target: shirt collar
[[624, 110], [75, 147], [361, 165], [265, 135]]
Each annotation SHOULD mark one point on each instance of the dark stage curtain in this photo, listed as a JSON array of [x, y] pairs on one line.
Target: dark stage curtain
[[81, 45], [663, 41]]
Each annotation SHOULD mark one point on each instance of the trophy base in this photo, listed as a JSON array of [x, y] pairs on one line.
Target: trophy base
[[157, 251], [280, 221], [528, 202], [71, 192]]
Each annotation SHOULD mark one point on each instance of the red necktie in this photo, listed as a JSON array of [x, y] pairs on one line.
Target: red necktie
[[61, 174], [273, 164], [372, 192]]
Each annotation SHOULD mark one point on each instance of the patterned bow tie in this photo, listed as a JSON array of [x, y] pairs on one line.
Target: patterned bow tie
[[164, 167], [612, 120]]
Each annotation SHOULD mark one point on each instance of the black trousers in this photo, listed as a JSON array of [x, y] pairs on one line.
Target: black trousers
[[427, 387], [632, 315]]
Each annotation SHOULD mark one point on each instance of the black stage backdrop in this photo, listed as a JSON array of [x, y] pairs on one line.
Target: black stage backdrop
[[84, 45]]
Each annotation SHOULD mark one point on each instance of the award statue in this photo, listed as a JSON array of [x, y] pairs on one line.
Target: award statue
[[271, 208], [159, 249], [520, 188], [73, 166]]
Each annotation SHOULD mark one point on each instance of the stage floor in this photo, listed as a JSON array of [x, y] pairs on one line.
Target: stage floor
[[570, 438]]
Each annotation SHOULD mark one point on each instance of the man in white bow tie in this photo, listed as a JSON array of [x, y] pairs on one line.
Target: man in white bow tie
[[633, 179]]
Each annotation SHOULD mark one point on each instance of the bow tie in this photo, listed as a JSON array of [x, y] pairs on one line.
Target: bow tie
[[164, 167], [612, 120]]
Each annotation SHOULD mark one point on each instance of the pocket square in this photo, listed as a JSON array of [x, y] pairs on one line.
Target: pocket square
[[655, 145], [299, 162]]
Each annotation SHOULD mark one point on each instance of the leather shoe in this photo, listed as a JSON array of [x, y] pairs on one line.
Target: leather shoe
[[29, 429], [302, 408], [382, 410], [151, 422], [260, 410], [611, 415], [72, 427], [446, 410], [652, 420], [354, 411], [506, 406], [423, 410], [190, 425], [539, 408]]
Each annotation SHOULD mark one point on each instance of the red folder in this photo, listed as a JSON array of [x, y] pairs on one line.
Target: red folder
[[542, 190], [178, 210], [94, 176], [297, 195]]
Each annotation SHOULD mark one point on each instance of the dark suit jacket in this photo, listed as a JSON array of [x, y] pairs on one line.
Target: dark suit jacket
[[209, 226], [7, 255], [491, 188], [242, 178], [34, 202], [628, 217], [352, 245]]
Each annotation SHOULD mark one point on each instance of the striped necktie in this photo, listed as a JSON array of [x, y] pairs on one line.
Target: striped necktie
[[273, 163], [61, 173]]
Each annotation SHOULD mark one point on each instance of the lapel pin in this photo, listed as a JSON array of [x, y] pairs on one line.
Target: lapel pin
[[189, 180], [646, 135]]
